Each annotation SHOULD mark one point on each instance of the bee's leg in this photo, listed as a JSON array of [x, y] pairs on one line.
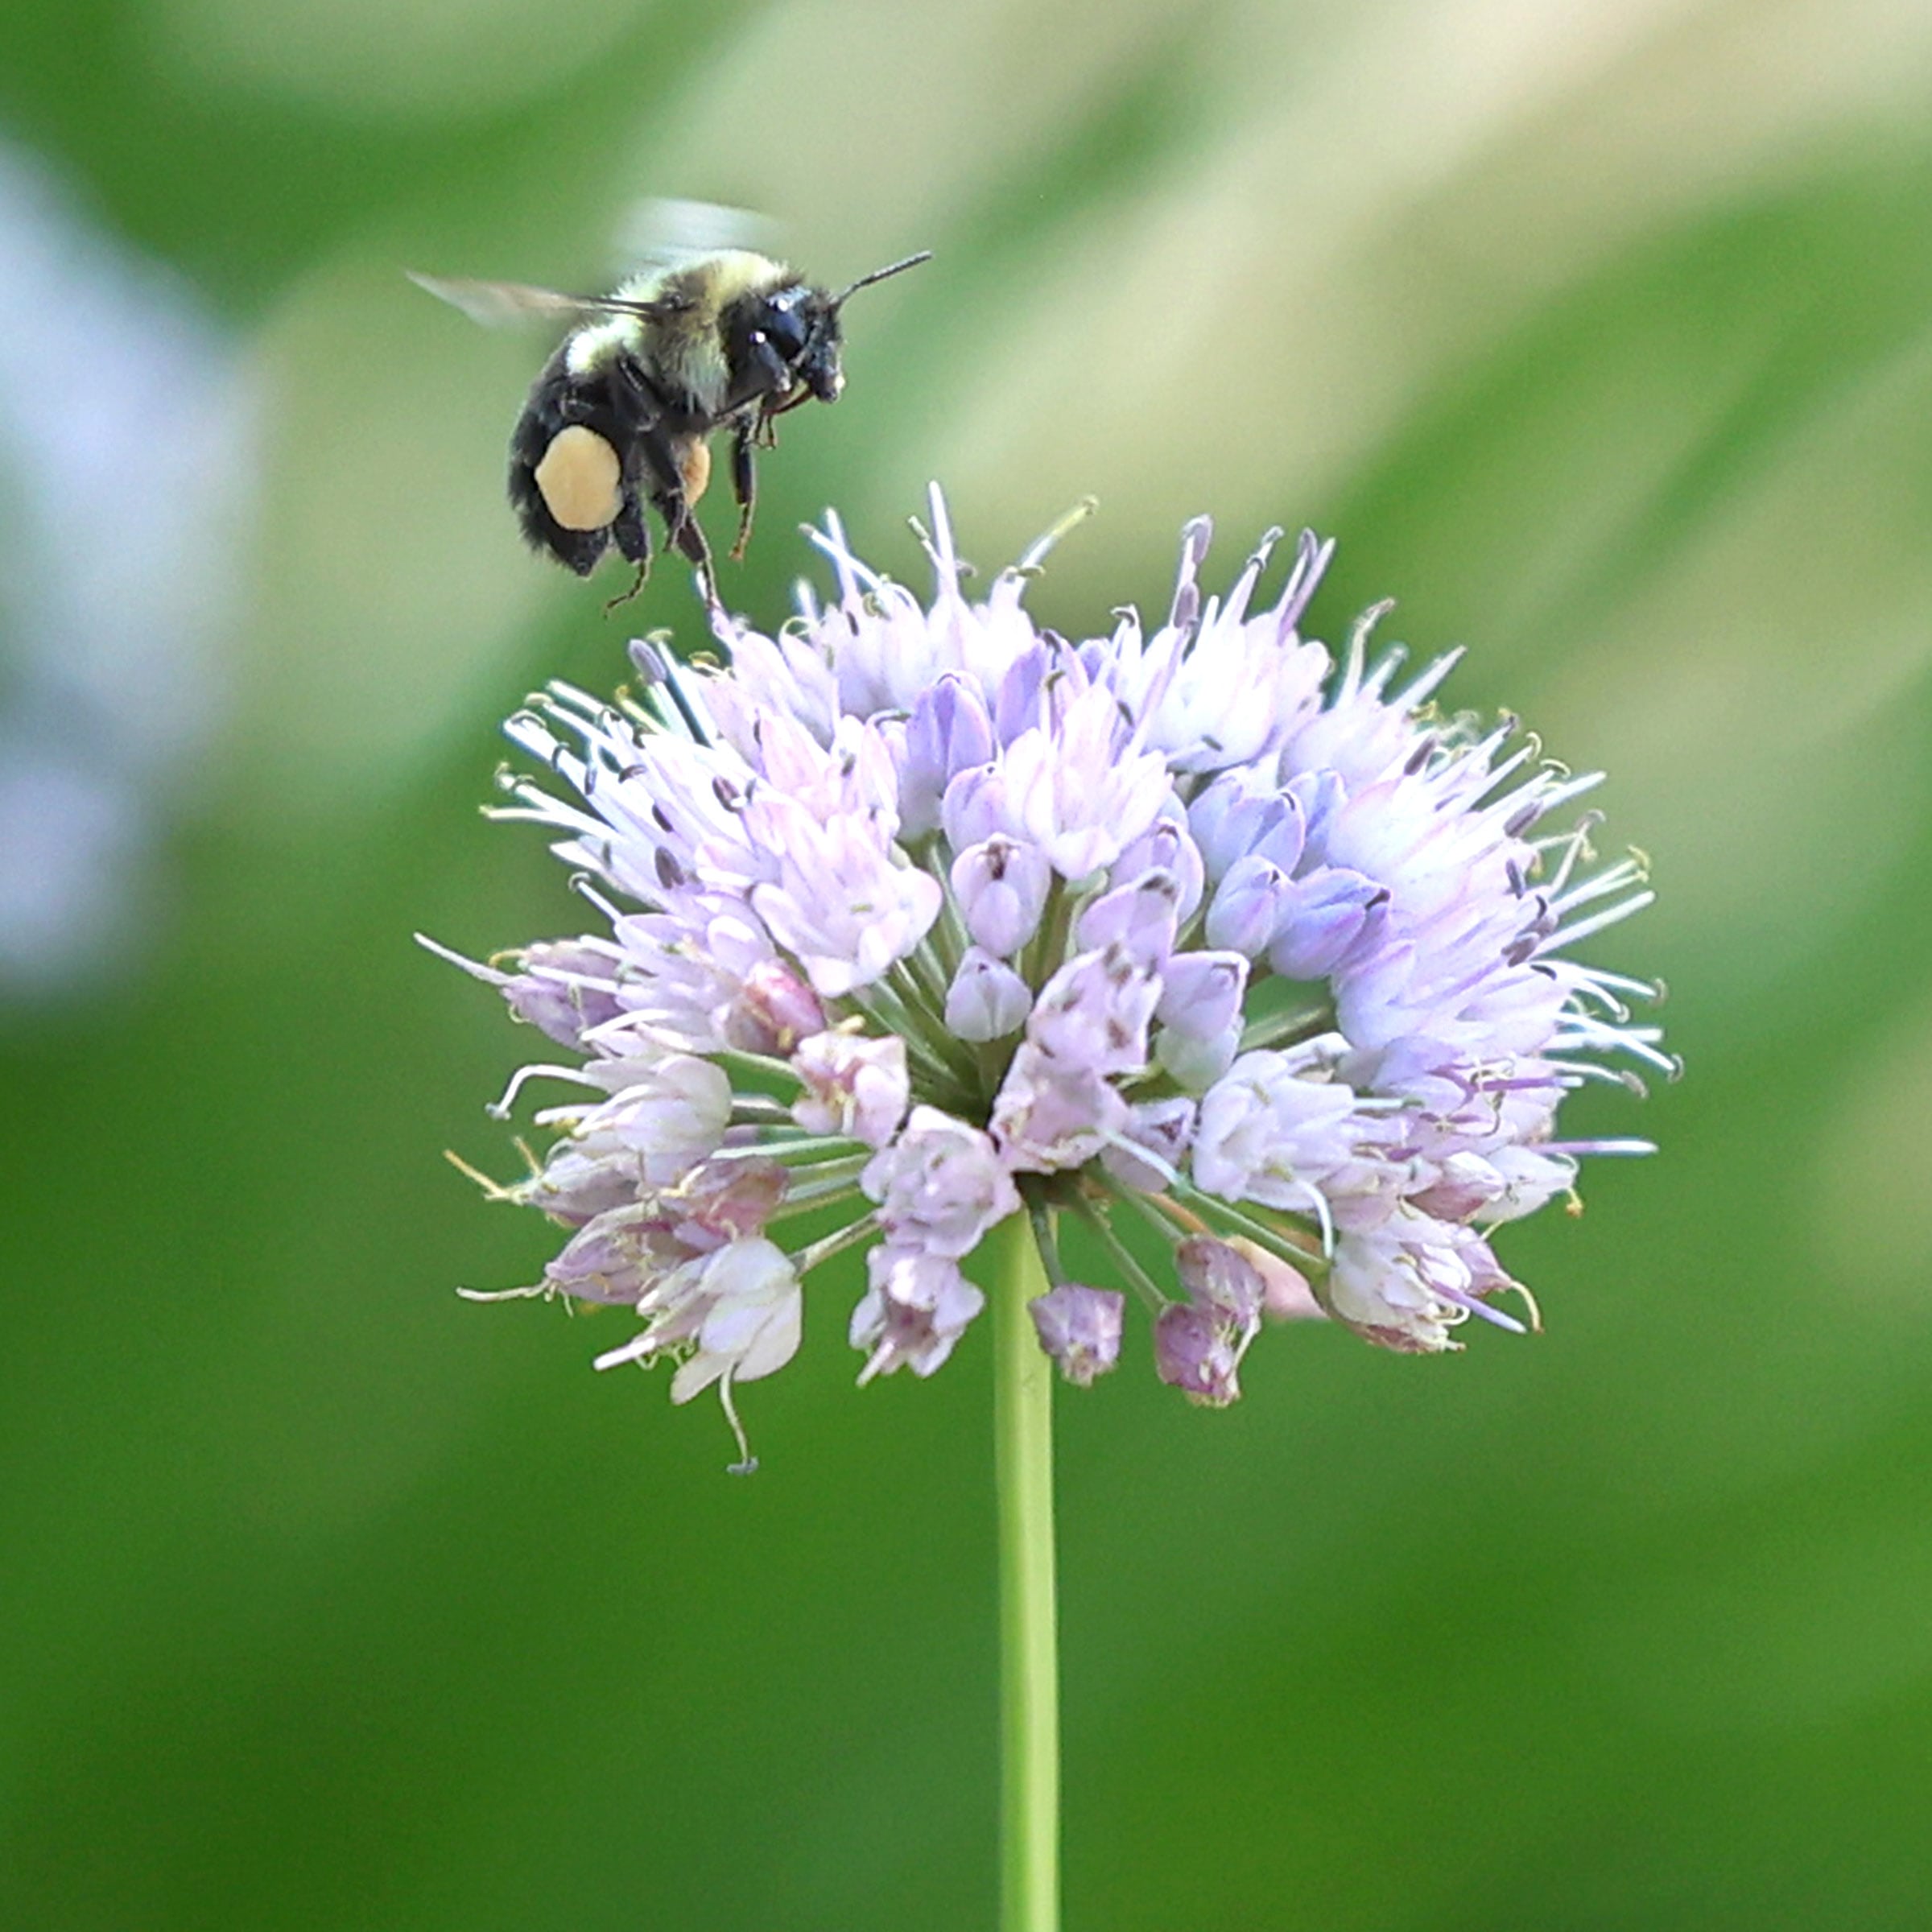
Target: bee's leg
[[689, 537], [664, 483], [632, 536], [744, 482], [624, 597], [684, 533]]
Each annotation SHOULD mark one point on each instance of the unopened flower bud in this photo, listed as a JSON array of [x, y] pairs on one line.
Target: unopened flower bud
[[1286, 1294], [1201, 992], [1217, 1276], [987, 999], [1194, 1352], [1001, 886], [1164, 847], [1140, 918], [974, 808], [1247, 906], [1195, 1064], [947, 732], [1199, 1344], [1320, 917], [1241, 813]]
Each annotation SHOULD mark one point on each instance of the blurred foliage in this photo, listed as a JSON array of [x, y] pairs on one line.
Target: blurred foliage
[[1599, 335]]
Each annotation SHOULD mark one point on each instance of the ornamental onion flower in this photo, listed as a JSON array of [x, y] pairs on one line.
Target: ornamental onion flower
[[1254, 963]]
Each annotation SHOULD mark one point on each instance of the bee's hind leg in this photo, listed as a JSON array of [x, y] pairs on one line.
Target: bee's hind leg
[[684, 533], [632, 538]]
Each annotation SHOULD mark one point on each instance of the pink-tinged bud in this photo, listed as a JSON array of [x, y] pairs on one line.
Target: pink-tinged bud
[[1001, 886], [987, 999], [1247, 906], [917, 1306], [1217, 1276], [1193, 1352], [1286, 1294], [856, 1087], [1080, 1328], [774, 1011]]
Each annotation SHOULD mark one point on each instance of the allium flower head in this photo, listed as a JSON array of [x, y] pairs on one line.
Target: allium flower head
[[1252, 965]]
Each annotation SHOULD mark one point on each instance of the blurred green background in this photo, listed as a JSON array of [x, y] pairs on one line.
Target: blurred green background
[[1601, 336]]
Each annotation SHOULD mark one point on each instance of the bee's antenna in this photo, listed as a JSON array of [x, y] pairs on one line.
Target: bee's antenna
[[879, 275]]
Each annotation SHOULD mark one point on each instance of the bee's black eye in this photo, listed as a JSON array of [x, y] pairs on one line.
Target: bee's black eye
[[785, 328]]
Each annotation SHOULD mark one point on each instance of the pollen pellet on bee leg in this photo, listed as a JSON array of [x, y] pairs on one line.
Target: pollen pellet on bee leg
[[578, 479], [694, 470]]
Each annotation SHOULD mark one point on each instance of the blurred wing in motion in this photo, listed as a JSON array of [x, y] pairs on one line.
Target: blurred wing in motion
[[673, 234], [500, 304]]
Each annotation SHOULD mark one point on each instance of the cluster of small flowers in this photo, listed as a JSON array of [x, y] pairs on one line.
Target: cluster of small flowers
[[925, 914]]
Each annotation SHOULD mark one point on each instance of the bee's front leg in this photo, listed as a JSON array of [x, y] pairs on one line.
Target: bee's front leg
[[744, 480]]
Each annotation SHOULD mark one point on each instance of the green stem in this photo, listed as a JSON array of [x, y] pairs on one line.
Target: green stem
[[1029, 1718]]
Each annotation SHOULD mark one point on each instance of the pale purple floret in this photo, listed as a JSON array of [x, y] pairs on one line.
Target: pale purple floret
[[1198, 1342], [854, 1087], [917, 1305], [940, 1185], [920, 912], [1080, 1328]]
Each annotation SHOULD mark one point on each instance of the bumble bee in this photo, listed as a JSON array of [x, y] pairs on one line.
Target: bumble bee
[[624, 410]]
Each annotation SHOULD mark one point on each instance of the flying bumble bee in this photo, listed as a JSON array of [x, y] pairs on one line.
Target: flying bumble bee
[[624, 410]]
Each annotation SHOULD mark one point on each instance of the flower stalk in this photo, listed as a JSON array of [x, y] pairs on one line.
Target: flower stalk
[[1030, 1719]]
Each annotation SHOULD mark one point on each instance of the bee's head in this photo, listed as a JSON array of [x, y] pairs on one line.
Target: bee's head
[[803, 325]]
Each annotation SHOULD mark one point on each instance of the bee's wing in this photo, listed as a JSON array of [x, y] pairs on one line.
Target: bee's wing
[[673, 234], [497, 304]]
